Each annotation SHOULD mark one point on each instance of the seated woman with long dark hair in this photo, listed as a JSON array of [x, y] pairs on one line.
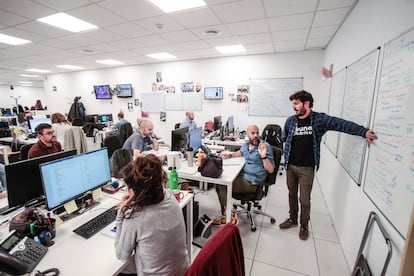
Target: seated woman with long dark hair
[[150, 225]]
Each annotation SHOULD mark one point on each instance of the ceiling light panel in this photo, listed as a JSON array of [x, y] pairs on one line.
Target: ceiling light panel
[[161, 56], [70, 67], [67, 22], [11, 40], [110, 62], [177, 5], [38, 70], [231, 49]]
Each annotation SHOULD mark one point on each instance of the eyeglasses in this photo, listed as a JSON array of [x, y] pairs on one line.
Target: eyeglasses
[[48, 133]]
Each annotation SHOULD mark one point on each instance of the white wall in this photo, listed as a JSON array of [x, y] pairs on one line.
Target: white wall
[[228, 72], [371, 24], [27, 96]]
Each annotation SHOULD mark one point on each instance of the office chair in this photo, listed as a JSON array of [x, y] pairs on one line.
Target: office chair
[[272, 133], [119, 159], [112, 142], [24, 151], [177, 125], [75, 139], [77, 121], [125, 131], [250, 201], [221, 255]]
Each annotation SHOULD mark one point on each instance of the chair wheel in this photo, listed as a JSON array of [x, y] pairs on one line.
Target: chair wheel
[[272, 221], [253, 229]]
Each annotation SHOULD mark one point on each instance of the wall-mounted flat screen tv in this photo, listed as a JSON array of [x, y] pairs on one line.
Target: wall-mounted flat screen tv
[[124, 90], [213, 93], [102, 92]]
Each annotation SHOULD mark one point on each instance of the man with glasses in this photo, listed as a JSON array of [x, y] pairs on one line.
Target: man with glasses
[[47, 143]]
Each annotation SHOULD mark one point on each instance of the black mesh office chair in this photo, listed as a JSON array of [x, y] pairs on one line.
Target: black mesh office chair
[[112, 142], [250, 203], [77, 121], [124, 132], [177, 125], [24, 151]]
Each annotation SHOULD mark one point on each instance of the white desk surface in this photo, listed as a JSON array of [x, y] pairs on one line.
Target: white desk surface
[[74, 255], [237, 143], [231, 168], [21, 140]]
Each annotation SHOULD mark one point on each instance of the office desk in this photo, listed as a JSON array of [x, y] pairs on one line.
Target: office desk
[[102, 134], [20, 140], [238, 143], [74, 255], [231, 168]]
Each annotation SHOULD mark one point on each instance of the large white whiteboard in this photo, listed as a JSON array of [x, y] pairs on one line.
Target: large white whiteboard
[[153, 101], [270, 96], [389, 180], [357, 105], [335, 107]]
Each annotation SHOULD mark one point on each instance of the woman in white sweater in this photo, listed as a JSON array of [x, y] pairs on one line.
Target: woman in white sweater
[[150, 224]]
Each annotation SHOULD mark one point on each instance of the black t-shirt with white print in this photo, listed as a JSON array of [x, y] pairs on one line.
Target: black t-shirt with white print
[[301, 153]]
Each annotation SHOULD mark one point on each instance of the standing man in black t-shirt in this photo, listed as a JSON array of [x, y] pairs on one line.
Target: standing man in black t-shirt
[[302, 135]]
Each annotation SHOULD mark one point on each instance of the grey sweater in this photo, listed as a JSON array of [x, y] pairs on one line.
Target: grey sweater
[[155, 237]]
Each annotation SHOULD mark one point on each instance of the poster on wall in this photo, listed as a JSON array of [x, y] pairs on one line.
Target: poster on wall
[[243, 93], [187, 87]]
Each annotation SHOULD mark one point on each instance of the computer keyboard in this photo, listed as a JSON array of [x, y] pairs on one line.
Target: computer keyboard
[[96, 224]]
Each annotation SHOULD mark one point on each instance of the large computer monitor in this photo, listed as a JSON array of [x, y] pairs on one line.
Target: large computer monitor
[[23, 178], [102, 92], [217, 123], [179, 139], [195, 138], [72, 177], [230, 124], [33, 123], [104, 119]]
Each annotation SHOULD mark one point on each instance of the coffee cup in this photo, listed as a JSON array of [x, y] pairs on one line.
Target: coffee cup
[[174, 159], [178, 195]]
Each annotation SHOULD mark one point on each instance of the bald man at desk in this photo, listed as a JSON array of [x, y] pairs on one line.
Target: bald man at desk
[[140, 140]]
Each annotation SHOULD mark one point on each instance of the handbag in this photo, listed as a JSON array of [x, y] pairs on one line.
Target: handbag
[[211, 166]]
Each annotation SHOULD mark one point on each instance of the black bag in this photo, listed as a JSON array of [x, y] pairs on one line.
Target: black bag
[[211, 166]]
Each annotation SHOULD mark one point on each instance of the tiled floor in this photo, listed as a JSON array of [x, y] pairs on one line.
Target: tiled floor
[[271, 251]]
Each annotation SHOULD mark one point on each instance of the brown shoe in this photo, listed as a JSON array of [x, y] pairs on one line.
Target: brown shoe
[[219, 220], [288, 224], [303, 233]]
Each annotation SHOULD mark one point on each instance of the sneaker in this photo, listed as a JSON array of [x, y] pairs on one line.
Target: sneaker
[[303, 233], [288, 224]]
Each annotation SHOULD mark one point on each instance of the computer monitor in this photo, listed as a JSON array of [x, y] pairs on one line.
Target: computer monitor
[[4, 124], [179, 139], [104, 119], [20, 117], [33, 123], [195, 138], [217, 123], [230, 124], [90, 118], [6, 111], [23, 178], [72, 177]]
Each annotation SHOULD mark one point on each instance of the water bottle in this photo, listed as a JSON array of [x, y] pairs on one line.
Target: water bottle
[[173, 179], [190, 157]]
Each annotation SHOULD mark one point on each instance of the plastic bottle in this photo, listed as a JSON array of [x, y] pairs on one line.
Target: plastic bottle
[[173, 179]]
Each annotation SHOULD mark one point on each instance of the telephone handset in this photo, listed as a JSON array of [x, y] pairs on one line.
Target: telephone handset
[[20, 254]]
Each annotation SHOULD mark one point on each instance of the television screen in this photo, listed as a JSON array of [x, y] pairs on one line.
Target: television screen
[[124, 90], [102, 92], [71, 177], [213, 93]]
